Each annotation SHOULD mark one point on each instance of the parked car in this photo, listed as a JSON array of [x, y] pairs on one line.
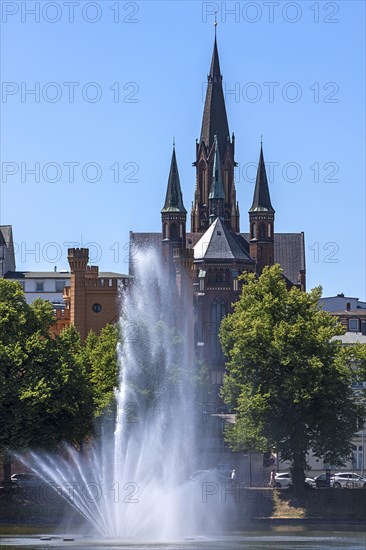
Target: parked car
[[221, 472], [27, 481], [321, 481], [284, 479], [347, 479]]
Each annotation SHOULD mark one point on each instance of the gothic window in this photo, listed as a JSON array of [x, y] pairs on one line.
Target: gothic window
[[202, 181], [253, 231], [173, 231], [165, 232], [262, 231], [181, 231], [218, 312], [203, 218], [269, 230]]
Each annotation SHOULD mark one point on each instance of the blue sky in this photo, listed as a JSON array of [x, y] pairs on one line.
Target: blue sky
[[293, 71]]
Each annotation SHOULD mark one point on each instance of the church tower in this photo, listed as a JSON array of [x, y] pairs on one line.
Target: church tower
[[214, 123], [261, 219], [174, 214]]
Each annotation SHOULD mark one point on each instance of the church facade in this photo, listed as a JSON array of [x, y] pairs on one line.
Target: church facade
[[206, 261]]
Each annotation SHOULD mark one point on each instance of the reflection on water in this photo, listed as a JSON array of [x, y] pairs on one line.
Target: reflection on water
[[311, 540]]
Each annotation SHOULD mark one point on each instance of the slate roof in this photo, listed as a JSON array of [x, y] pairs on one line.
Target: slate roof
[[217, 188], [57, 275], [6, 238], [289, 252], [6, 231], [220, 243], [289, 248], [37, 275]]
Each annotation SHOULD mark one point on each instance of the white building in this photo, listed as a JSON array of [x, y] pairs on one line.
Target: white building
[[48, 285]]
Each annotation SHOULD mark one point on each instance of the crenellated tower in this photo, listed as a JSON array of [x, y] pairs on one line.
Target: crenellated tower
[[78, 260], [214, 123]]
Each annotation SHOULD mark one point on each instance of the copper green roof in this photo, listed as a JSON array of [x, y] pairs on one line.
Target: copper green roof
[[173, 199], [217, 189]]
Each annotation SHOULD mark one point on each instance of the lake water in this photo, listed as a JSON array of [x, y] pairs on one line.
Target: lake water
[[310, 540]]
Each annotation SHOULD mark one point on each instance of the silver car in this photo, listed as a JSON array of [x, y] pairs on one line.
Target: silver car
[[347, 479], [284, 480]]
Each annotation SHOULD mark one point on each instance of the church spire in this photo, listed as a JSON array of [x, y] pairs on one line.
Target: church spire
[[261, 199], [173, 198], [214, 121]]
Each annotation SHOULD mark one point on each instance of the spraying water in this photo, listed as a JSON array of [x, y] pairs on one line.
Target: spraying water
[[135, 482]]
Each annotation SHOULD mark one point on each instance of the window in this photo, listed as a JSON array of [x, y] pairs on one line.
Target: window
[[97, 308], [353, 325], [262, 231], [253, 231], [173, 231], [357, 457], [60, 285], [39, 287]]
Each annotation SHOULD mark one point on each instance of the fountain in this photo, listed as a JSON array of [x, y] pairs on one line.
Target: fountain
[[132, 486], [135, 482]]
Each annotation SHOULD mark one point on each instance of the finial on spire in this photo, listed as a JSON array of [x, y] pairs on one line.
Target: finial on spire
[[173, 141], [261, 140], [215, 23]]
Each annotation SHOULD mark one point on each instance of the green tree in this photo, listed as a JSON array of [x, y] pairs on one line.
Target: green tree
[[101, 362], [23, 328], [45, 397], [287, 379]]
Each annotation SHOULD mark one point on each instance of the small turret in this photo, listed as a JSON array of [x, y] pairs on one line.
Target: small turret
[[261, 220], [173, 214]]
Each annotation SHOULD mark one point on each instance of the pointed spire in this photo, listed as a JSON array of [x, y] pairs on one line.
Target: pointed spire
[[217, 188], [261, 199], [215, 63], [173, 199], [214, 119]]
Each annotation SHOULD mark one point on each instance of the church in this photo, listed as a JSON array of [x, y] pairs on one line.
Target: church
[[205, 262]]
